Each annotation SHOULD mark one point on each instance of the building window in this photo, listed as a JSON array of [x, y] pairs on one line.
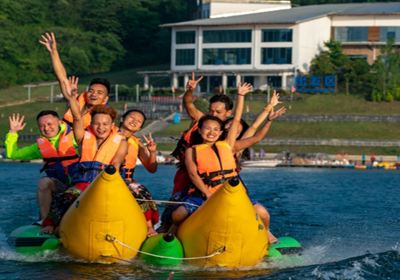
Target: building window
[[277, 35], [226, 36], [274, 81], [185, 37], [276, 56], [389, 33], [351, 34], [184, 57], [358, 56], [226, 56]]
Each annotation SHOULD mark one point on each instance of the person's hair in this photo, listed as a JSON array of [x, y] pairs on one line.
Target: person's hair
[[205, 118], [224, 99], [101, 81], [133, 111], [101, 109], [47, 112], [244, 124]]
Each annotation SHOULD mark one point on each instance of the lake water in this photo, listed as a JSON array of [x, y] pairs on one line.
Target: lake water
[[347, 220]]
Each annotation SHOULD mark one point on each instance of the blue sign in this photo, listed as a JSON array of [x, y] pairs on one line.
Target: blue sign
[[311, 84]]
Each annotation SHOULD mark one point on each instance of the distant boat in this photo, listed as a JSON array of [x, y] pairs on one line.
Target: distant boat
[[261, 163]]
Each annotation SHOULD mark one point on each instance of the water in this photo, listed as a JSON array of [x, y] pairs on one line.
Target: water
[[347, 220]]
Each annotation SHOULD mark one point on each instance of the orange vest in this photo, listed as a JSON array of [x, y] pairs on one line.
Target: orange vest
[[131, 157], [86, 118], [57, 160], [215, 163], [103, 154], [65, 153]]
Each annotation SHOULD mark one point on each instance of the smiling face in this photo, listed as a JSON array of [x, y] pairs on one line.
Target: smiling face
[[218, 109], [102, 125], [49, 125], [97, 95], [210, 131], [133, 122]]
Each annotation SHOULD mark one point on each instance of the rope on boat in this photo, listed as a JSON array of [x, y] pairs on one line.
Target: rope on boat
[[113, 239], [166, 202]]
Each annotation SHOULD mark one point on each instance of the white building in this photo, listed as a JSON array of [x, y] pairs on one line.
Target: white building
[[223, 8], [269, 48]]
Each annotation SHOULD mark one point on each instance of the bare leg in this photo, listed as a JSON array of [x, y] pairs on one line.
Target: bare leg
[[264, 216], [178, 216], [46, 188]]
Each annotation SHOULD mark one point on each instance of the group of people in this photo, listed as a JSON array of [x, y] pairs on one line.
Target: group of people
[[77, 147]]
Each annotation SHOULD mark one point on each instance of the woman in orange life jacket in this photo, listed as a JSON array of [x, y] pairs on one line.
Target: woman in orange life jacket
[[99, 88], [132, 121], [211, 163], [100, 145]]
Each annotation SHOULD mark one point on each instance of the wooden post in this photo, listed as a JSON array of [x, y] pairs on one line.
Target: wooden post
[[137, 93], [116, 93]]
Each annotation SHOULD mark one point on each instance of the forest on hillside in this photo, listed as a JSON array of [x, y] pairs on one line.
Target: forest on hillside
[[93, 36]]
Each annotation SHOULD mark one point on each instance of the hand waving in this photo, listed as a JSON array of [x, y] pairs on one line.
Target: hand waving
[[49, 41], [276, 114], [73, 80], [192, 84], [274, 99], [244, 88], [16, 123]]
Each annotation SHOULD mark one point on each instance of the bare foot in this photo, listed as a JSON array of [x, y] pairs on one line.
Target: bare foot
[[48, 230], [151, 232], [271, 238]]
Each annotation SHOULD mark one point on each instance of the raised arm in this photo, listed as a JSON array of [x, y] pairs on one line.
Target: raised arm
[[192, 111], [79, 130], [245, 143], [262, 116], [120, 155], [193, 174], [243, 89], [148, 154], [49, 41]]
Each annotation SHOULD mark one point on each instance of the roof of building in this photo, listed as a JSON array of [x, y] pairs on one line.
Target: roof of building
[[297, 14]]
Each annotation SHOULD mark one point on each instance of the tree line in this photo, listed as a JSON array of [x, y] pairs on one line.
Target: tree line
[[93, 35]]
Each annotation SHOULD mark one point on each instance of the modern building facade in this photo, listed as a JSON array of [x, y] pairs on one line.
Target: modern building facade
[[271, 48]]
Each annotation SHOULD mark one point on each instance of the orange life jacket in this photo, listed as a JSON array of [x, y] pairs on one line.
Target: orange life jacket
[[86, 118], [215, 164], [57, 160], [131, 158], [93, 158]]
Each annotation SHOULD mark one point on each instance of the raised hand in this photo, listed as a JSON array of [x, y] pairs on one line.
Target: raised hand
[[150, 144], [66, 89], [16, 123], [192, 84], [74, 85], [244, 88], [49, 41], [276, 114], [274, 99]]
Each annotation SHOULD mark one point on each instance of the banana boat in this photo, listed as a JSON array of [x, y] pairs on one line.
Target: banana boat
[[106, 224]]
